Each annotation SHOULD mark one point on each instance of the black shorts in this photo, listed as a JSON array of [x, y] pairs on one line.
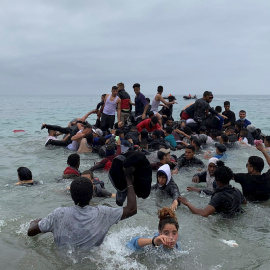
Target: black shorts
[[107, 121]]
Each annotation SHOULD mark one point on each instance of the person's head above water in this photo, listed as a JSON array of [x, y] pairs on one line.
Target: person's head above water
[[168, 225], [81, 190], [255, 165], [24, 174], [74, 160], [164, 175], [212, 165], [189, 152], [223, 174]]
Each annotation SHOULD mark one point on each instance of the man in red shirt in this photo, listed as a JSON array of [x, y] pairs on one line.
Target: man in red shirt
[[149, 124]]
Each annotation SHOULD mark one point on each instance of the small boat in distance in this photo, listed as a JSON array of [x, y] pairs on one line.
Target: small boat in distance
[[190, 97]]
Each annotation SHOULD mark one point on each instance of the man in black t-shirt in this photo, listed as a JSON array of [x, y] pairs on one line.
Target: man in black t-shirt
[[225, 200], [255, 185], [229, 114]]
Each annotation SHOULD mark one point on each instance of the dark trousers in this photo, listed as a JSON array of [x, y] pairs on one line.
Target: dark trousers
[[107, 121], [71, 130]]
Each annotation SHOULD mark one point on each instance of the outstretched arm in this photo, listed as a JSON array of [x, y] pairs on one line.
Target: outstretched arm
[[131, 208], [208, 210], [261, 148], [166, 102]]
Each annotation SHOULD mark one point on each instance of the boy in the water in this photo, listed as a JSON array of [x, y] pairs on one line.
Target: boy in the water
[[82, 225]]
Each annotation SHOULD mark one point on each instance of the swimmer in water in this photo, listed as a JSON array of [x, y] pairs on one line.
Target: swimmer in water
[[25, 177], [166, 237], [166, 186], [226, 199]]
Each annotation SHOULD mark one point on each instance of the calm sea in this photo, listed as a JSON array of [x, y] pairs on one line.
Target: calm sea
[[200, 238]]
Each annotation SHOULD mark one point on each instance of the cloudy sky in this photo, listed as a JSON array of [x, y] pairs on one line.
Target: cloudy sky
[[87, 46]]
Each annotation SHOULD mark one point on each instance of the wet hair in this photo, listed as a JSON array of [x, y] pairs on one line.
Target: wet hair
[[121, 84], [207, 93], [118, 132], [73, 160], [213, 133], [136, 85], [267, 138], [114, 87], [81, 190], [151, 113], [257, 163], [89, 138], [161, 155], [157, 133], [167, 216], [197, 141], [24, 173], [230, 127], [160, 89], [244, 132], [218, 109], [223, 174], [148, 99], [191, 147], [224, 138], [87, 126], [154, 120], [88, 172], [227, 103], [187, 130], [169, 130], [101, 141], [239, 125]]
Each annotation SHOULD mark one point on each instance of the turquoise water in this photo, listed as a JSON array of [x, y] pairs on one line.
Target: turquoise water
[[199, 237]]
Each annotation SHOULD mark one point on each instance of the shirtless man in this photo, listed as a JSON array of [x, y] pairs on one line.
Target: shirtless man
[[111, 103]]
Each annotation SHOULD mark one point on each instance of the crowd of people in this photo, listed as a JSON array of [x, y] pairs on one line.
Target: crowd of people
[[124, 147]]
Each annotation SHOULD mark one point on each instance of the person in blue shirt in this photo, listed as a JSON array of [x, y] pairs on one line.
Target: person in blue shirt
[[166, 237], [242, 118], [220, 151], [169, 137]]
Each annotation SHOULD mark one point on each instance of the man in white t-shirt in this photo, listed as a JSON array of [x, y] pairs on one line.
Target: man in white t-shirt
[[82, 225]]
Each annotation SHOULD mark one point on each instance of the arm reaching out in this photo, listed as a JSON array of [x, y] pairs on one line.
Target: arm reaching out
[[131, 208], [261, 148]]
